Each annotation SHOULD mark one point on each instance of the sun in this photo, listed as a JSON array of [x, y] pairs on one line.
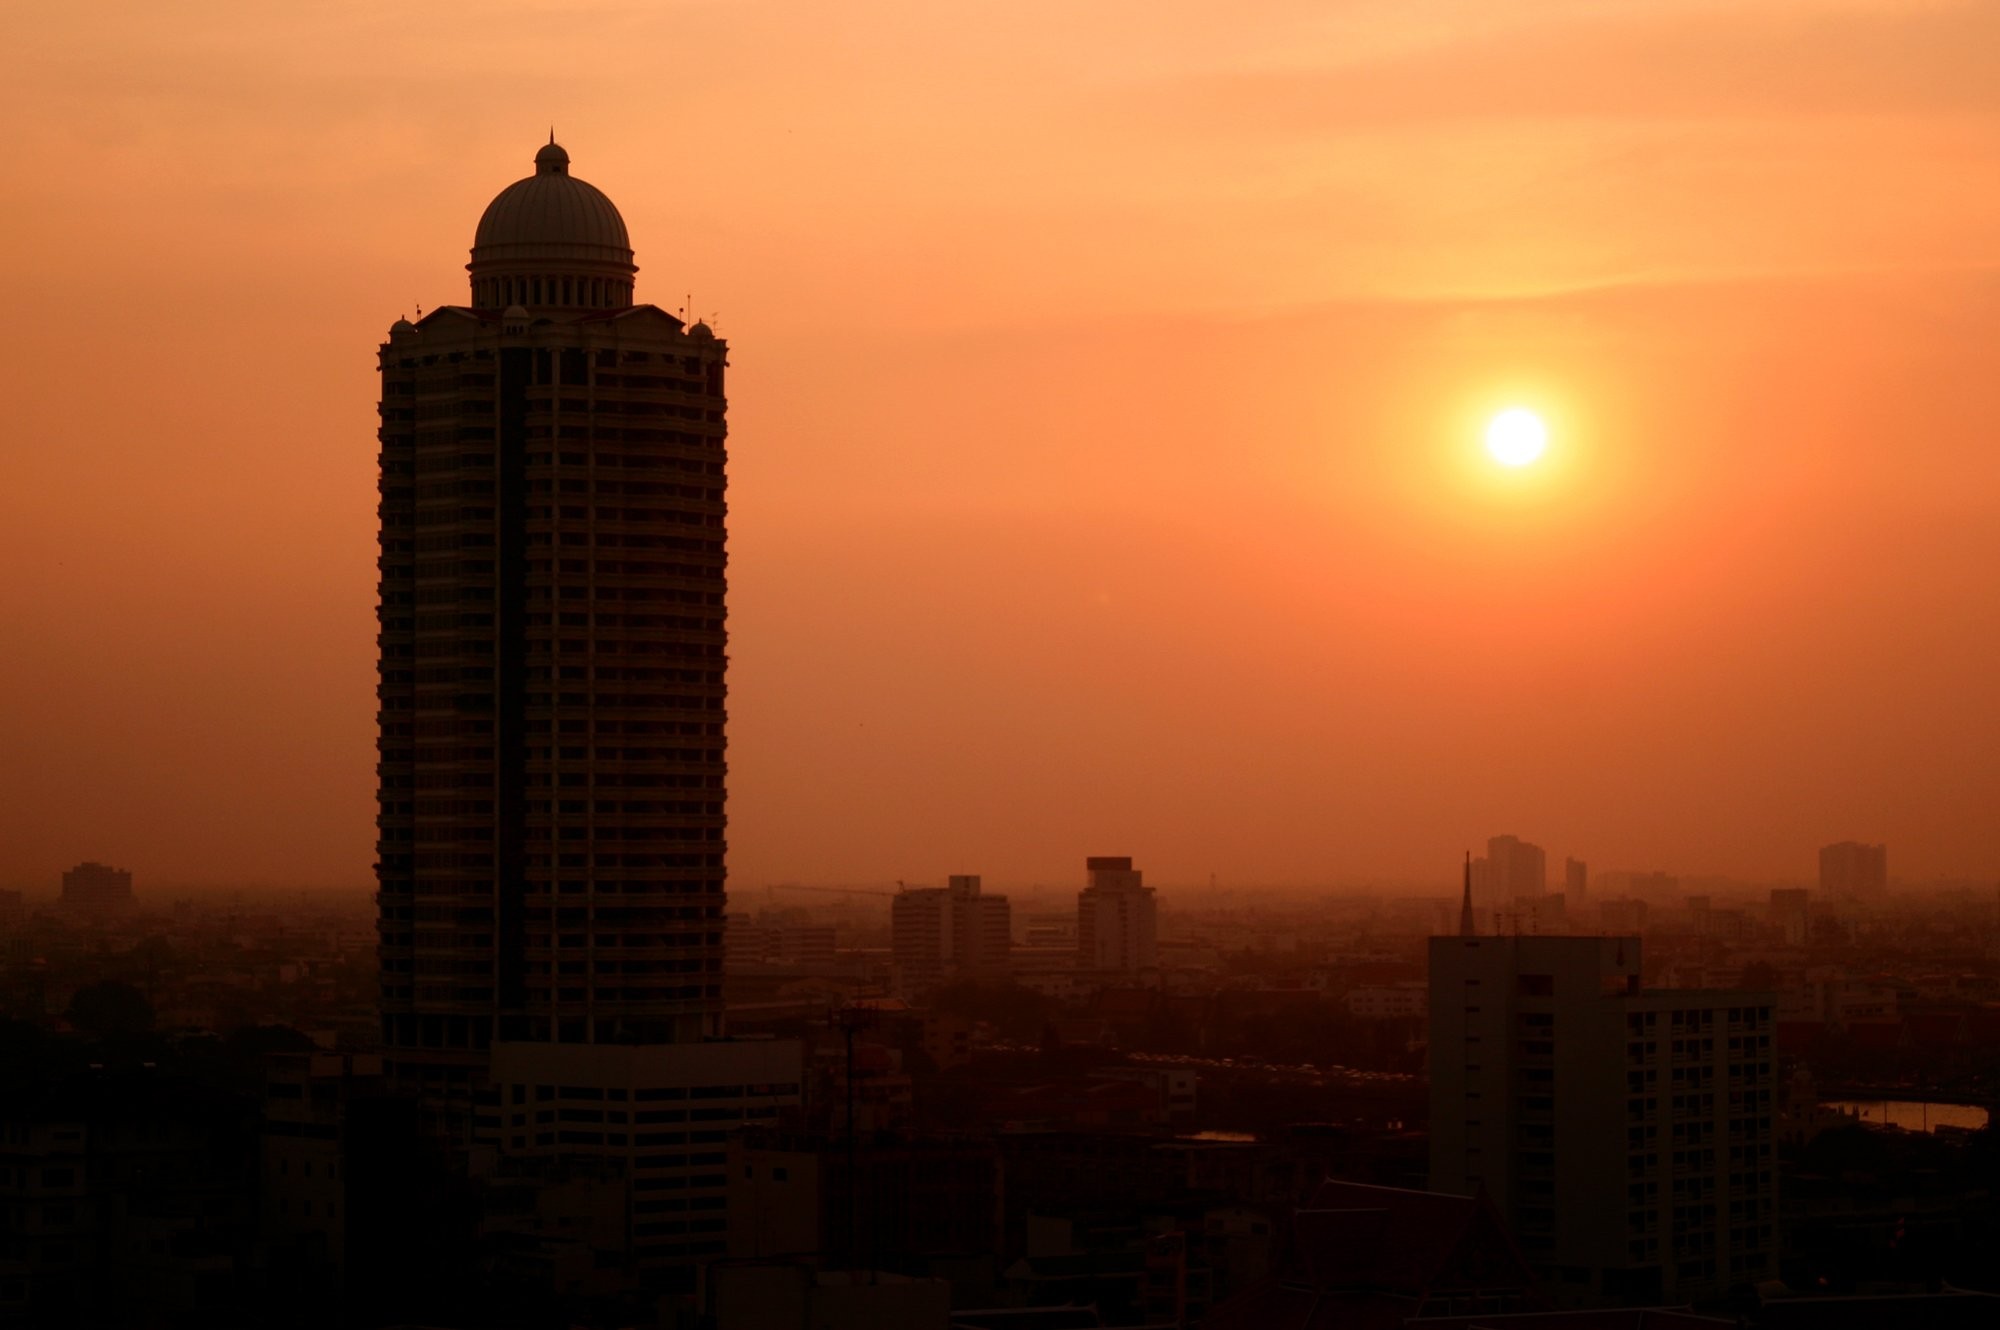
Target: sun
[[1516, 437]]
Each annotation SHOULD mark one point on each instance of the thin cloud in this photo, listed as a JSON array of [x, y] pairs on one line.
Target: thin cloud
[[1672, 65]]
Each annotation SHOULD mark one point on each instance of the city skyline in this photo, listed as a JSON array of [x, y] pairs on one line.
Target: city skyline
[[1000, 665], [1117, 487]]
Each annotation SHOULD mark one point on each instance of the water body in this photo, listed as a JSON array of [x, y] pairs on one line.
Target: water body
[[1912, 1114]]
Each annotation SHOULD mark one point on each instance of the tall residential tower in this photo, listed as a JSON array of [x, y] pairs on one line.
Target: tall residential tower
[[1624, 1132], [552, 652]]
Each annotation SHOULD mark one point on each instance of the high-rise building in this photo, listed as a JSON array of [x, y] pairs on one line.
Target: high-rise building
[[1512, 870], [1853, 871], [552, 653], [949, 932], [1576, 881], [1626, 1134], [94, 886], [1117, 919]]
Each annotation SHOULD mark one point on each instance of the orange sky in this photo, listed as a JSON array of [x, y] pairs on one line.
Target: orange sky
[[1104, 411]]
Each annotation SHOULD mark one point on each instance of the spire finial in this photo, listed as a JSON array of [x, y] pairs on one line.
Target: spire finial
[[1465, 926], [552, 134]]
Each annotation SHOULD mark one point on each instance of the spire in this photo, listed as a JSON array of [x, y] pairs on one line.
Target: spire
[[551, 160], [1465, 928]]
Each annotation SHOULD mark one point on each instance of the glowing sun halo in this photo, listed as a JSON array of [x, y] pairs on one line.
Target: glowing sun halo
[[1516, 436]]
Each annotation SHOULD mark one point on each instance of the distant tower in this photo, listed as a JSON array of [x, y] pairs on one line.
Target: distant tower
[[93, 886], [1465, 928], [1515, 869], [1853, 871], [1117, 918]]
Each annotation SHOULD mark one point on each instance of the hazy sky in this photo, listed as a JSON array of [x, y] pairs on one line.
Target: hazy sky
[[1106, 389]]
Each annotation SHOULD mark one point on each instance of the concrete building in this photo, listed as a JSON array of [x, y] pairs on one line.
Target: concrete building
[[1576, 881], [1515, 869], [1791, 911], [551, 691], [1117, 919], [661, 1113], [1389, 1002], [340, 1208], [1626, 1134], [1852, 871], [95, 886], [950, 932], [798, 1295], [888, 1198]]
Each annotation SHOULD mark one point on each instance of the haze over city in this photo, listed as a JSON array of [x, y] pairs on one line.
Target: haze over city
[[1107, 384]]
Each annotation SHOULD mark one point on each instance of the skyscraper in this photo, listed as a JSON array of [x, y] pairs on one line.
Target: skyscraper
[[1854, 871], [1117, 919], [551, 852]]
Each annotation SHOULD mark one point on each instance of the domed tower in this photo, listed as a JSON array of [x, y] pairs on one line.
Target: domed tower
[[552, 698], [551, 242]]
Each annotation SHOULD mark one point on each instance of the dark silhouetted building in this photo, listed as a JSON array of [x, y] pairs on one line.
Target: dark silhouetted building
[[1852, 871], [94, 886], [887, 1200], [1117, 919], [1512, 870], [1378, 1258], [125, 1199], [551, 853], [949, 932], [1626, 1134]]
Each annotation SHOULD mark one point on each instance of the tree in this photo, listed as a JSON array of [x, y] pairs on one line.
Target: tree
[[109, 1008]]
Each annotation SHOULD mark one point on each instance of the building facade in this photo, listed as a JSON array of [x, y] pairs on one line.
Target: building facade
[[551, 765], [1512, 870], [1852, 871], [95, 886], [951, 932], [1117, 918], [1626, 1134], [660, 1118]]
